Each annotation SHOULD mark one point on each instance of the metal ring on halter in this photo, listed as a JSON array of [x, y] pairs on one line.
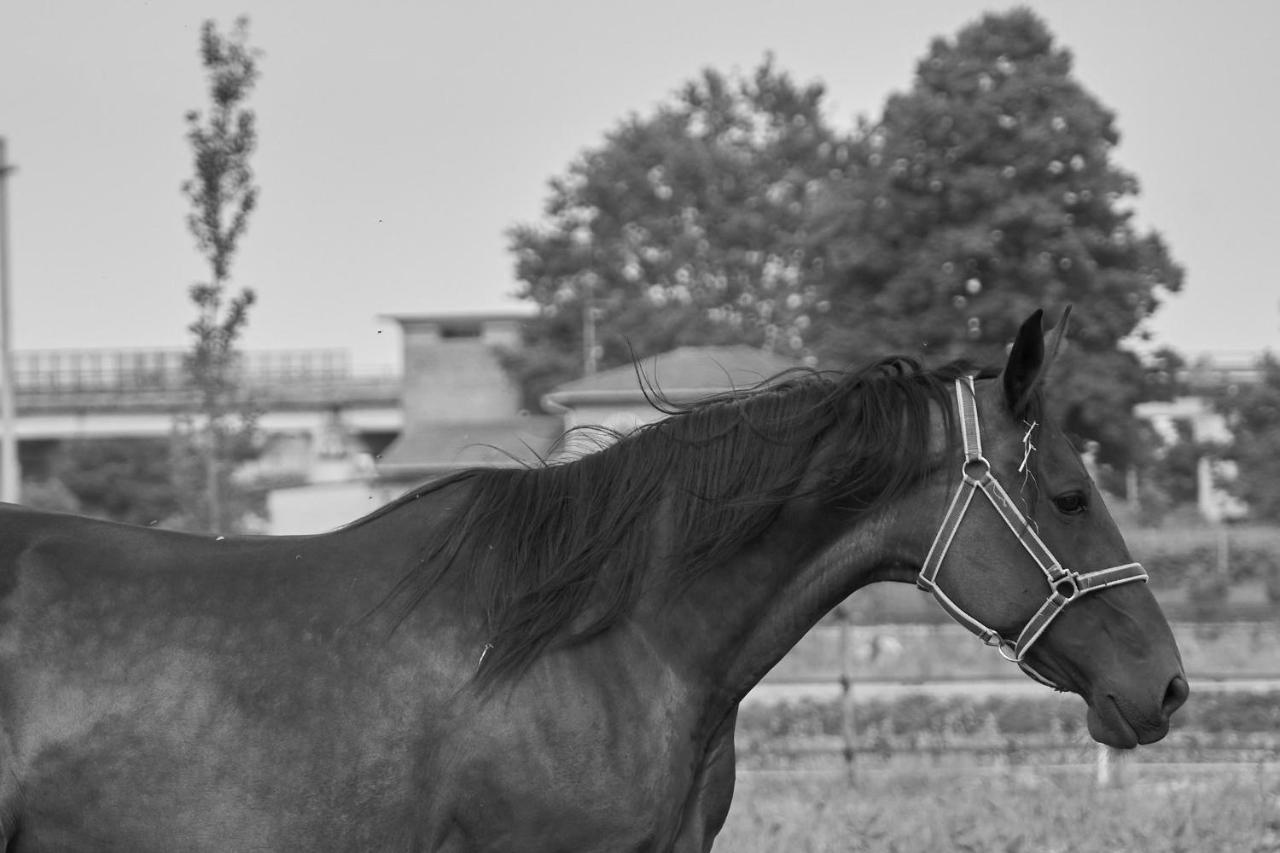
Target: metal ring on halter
[[1008, 651], [1072, 584], [981, 467]]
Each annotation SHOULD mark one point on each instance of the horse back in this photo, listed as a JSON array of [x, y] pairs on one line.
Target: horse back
[[164, 691]]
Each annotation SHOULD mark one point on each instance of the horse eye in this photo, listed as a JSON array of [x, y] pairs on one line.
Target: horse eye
[[1072, 503]]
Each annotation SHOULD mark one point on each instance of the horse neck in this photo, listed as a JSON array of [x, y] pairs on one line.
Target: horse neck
[[732, 625]]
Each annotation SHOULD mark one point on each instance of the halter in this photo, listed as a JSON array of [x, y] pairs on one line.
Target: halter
[[1065, 585]]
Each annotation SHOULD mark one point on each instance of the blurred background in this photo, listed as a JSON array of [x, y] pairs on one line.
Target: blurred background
[[265, 266]]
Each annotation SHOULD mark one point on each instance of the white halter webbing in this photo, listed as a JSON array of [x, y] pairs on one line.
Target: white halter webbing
[[1065, 585]]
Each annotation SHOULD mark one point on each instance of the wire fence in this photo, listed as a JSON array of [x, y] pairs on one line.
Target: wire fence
[[856, 753]]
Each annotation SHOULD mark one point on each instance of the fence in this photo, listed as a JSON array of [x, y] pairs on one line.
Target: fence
[[1107, 764]]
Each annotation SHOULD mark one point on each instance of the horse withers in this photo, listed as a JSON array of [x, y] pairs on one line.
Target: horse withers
[[551, 659]]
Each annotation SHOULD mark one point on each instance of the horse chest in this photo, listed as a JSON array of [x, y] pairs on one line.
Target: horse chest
[[572, 775]]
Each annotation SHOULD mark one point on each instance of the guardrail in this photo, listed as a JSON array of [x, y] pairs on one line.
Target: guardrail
[[157, 379]]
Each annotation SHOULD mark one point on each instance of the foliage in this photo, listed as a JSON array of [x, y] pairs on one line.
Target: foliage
[[959, 717], [222, 195], [987, 190], [50, 494], [1167, 468], [1252, 553], [685, 226], [124, 479], [1253, 416], [1162, 375], [1170, 469], [236, 503], [735, 213]]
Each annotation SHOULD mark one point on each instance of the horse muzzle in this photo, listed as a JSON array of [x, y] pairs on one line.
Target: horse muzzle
[[1121, 724]]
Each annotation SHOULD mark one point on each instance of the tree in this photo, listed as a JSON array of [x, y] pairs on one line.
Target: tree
[[983, 192], [124, 479], [1253, 417], [685, 226], [220, 430], [1169, 468]]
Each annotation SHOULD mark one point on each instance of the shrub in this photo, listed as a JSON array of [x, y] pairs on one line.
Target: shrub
[[1176, 555], [1017, 716]]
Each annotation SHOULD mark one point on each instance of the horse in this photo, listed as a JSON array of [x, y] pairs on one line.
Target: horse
[[551, 658]]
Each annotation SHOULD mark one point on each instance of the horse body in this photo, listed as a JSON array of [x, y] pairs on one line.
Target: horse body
[[222, 696], [252, 705], [542, 660]]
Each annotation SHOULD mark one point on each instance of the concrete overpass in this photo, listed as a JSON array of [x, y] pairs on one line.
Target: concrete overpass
[[303, 395]]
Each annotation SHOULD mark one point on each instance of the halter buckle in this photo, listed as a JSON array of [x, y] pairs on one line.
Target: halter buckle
[[1007, 648]]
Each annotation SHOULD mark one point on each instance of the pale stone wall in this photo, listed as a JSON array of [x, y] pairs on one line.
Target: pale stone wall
[[452, 372]]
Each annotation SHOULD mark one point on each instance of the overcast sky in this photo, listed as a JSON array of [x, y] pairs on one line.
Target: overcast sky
[[399, 140]]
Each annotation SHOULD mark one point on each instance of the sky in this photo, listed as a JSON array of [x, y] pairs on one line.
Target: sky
[[400, 139]]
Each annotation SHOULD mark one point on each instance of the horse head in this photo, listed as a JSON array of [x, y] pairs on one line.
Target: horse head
[[1029, 558]]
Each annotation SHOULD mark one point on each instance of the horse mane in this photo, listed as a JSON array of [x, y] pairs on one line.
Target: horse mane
[[559, 552]]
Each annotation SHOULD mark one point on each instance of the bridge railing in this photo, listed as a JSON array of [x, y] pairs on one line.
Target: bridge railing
[[47, 380]]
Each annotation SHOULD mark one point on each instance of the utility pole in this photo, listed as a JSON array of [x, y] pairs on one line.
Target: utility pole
[[580, 239], [589, 354], [10, 480]]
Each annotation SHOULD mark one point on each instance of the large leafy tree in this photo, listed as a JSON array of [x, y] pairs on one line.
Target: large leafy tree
[[684, 226], [219, 433], [984, 191]]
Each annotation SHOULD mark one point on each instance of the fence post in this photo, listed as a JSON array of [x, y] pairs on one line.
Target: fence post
[[847, 733], [1108, 767]]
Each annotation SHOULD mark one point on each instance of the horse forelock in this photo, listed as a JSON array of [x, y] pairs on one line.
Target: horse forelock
[[562, 551]]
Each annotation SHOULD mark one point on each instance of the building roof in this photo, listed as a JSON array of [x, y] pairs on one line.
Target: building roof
[[436, 447], [484, 315], [680, 374]]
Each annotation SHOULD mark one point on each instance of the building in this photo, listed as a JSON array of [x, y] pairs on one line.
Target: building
[[1193, 414], [460, 409], [620, 399]]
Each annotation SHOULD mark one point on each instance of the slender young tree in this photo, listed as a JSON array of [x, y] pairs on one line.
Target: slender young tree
[[220, 430]]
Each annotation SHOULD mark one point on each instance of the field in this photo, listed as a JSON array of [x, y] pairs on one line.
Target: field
[[911, 808], [986, 769], [1010, 772]]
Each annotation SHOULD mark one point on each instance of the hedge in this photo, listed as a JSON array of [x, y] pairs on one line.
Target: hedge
[[1190, 556], [1210, 713]]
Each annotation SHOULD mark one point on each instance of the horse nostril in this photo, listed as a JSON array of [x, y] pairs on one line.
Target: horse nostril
[[1175, 695]]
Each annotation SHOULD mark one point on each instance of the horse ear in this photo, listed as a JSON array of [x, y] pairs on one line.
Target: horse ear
[[1032, 353]]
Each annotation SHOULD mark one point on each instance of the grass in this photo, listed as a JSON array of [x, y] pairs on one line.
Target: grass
[[938, 809]]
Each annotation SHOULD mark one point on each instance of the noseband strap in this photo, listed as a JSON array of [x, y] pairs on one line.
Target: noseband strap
[[1065, 585]]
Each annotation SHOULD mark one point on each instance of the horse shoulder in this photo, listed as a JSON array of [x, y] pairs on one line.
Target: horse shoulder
[[712, 792], [611, 758]]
